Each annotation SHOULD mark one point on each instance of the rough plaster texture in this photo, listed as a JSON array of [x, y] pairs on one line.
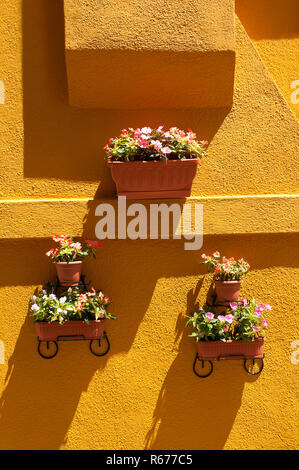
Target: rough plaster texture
[[273, 28], [143, 394], [149, 54], [188, 25]]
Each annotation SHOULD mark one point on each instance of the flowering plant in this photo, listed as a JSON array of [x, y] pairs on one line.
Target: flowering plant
[[68, 250], [149, 144], [226, 270], [250, 321], [244, 321], [210, 327], [71, 305]]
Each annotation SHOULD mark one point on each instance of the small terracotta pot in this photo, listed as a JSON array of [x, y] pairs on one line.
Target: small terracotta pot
[[227, 291], [216, 350], [154, 180], [53, 331], [69, 273]]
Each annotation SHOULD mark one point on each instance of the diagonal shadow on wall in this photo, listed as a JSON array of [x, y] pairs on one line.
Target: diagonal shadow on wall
[[66, 143], [48, 393]]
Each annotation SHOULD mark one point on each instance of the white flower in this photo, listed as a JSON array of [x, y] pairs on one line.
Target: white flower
[[62, 300], [34, 307], [52, 296], [44, 291], [33, 298], [146, 130], [45, 296], [168, 135], [59, 310]]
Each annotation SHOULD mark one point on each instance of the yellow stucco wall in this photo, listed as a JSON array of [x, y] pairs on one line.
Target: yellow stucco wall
[[175, 62], [143, 394], [272, 25]]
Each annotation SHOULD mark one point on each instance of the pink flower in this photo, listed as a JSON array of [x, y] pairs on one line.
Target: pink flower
[[221, 318], [137, 133], [268, 306], [143, 143], [106, 300], [50, 252], [257, 312], [261, 306], [210, 316], [201, 335], [255, 328], [217, 269], [160, 129], [216, 254], [227, 267], [77, 246], [157, 145], [101, 295], [233, 305], [229, 318], [264, 323], [82, 298], [244, 302], [166, 150]]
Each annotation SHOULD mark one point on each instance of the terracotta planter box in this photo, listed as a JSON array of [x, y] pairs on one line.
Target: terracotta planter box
[[69, 273], [70, 330], [154, 180], [215, 350], [227, 291]]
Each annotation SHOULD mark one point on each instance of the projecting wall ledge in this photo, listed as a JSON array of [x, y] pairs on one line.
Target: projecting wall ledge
[[148, 54], [39, 218]]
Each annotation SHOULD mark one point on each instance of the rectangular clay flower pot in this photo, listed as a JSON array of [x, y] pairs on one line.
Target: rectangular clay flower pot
[[215, 350], [154, 180], [47, 331]]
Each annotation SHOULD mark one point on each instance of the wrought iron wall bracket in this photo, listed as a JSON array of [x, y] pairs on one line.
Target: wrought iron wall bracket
[[44, 346], [42, 351], [207, 372]]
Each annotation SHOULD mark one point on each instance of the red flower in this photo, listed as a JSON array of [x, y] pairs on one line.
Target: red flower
[[93, 243], [60, 238]]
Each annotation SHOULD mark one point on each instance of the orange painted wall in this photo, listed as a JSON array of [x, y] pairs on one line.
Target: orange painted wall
[[273, 29], [143, 394]]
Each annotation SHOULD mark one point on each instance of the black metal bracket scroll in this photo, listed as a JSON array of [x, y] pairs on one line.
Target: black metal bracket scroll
[[246, 364]]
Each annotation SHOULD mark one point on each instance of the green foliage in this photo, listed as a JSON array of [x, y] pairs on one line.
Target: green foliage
[[70, 305], [226, 270], [148, 144], [68, 250], [244, 321]]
